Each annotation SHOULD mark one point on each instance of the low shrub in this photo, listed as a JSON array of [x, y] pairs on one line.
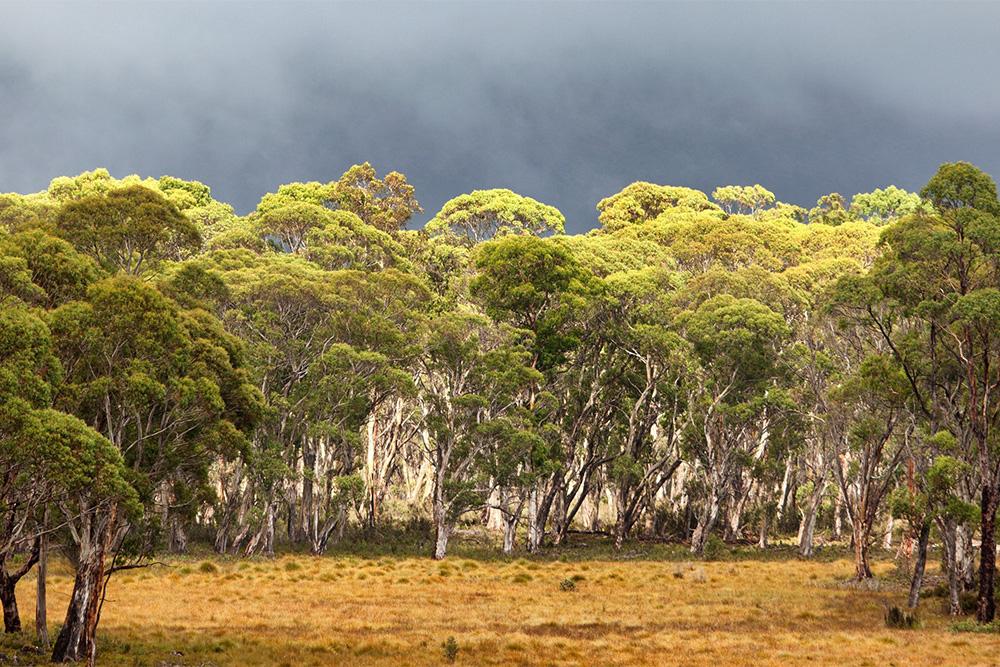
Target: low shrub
[[901, 619], [208, 567], [450, 649]]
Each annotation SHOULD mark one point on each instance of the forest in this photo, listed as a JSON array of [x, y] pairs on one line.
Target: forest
[[338, 366]]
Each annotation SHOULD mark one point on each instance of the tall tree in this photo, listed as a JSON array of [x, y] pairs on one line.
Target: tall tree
[[483, 214], [127, 229]]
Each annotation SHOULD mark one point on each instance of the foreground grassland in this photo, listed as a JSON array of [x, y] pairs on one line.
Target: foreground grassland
[[353, 610]]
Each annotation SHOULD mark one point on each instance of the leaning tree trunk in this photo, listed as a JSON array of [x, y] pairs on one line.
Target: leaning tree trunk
[[706, 522], [78, 638], [986, 604], [8, 584]]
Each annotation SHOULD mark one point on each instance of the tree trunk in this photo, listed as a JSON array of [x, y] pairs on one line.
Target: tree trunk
[[887, 536], [807, 530], [8, 584], [706, 522], [440, 527], [920, 564], [862, 529], [535, 531], [78, 638], [762, 537], [305, 528], [41, 604], [509, 535], [11, 617], [838, 520], [986, 604], [440, 540], [560, 511]]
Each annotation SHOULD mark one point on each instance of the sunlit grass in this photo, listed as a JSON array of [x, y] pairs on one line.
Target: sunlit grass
[[347, 609]]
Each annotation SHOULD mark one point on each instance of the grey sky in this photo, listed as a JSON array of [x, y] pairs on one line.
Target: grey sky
[[565, 102]]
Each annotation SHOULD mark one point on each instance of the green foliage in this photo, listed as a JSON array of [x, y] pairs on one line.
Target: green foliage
[[484, 214], [830, 210], [642, 202], [535, 285], [900, 619], [450, 650], [743, 199], [128, 228], [885, 205]]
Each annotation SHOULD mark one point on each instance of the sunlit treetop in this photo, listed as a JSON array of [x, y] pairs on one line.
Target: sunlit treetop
[[642, 202], [885, 204], [483, 214], [745, 199]]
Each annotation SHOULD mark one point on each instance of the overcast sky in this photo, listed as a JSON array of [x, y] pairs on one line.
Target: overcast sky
[[565, 102]]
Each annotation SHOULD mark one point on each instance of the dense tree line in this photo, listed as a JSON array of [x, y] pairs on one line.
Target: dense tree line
[[695, 368]]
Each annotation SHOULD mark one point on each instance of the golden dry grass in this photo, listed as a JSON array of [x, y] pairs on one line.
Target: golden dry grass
[[347, 610]]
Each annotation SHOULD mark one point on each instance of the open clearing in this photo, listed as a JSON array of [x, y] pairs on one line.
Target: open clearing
[[350, 610]]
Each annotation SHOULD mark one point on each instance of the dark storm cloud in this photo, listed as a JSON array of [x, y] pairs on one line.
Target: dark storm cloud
[[566, 102]]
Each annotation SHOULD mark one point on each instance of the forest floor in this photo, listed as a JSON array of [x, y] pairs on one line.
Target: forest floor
[[647, 605]]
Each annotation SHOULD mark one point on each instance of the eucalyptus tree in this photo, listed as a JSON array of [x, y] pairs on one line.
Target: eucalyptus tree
[[46, 456], [931, 495], [743, 199], [332, 350], [482, 214], [642, 202], [100, 498], [383, 203], [932, 299], [127, 229], [650, 396], [735, 395], [32, 470], [538, 286], [871, 412], [472, 390], [831, 209], [883, 205], [167, 388]]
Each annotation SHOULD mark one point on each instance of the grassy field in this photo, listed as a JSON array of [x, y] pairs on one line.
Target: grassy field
[[645, 607]]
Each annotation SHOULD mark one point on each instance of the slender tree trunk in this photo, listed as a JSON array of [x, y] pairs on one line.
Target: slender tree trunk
[[560, 511], [762, 537], [862, 529], [619, 530], [535, 531], [986, 604], [441, 527], [838, 520], [949, 536], [920, 564], [887, 536]]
